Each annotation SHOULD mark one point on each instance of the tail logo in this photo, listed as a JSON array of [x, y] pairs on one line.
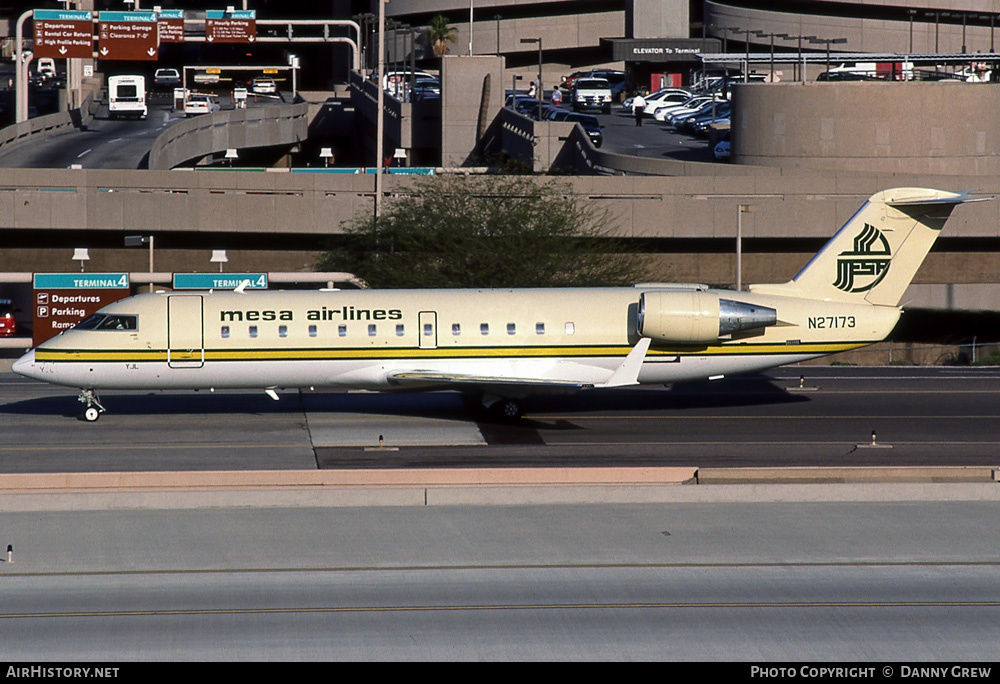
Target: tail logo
[[864, 267]]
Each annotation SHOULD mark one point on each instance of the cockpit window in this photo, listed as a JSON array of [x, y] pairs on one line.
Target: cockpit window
[[99, 321]]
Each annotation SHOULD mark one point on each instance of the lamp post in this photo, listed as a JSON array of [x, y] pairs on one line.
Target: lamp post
[[761, 34], [81, 254], [743, 209], [219, 257], [800, 65], [937, 28], [538, 92], [326, 154], [380, 104], [828, 41], [746, 43], [139, 241]]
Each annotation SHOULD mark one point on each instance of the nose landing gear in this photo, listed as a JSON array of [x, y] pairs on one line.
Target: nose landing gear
[[94, 408]]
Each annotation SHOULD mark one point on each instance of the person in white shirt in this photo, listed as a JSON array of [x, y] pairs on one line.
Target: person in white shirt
[[638, 108]]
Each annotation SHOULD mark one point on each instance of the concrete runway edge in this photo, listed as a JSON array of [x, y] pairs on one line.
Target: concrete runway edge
[[481, 487]]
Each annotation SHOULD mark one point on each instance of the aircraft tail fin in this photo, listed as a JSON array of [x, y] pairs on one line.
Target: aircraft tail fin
[[875, 255]]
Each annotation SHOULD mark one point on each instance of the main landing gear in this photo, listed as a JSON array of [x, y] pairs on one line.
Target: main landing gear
[[94, 408], [502, 408]]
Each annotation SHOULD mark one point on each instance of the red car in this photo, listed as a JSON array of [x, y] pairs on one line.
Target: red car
[[7, 325]]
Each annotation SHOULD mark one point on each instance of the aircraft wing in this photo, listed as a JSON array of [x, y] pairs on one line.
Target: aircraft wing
[[460, 381], [626, 374]]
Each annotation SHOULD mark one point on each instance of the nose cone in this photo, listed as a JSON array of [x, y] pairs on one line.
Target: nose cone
[[26, 365]]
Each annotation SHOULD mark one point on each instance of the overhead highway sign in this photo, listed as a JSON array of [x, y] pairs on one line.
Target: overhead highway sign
[[171, 25], [128, 35], [237, 26], [63, 34]]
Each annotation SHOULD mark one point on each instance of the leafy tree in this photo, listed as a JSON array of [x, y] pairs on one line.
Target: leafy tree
[[439, 34], [485, 231]]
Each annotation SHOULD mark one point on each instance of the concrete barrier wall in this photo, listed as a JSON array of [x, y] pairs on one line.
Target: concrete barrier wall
[[49, 124], [236, 129], [884, 127]]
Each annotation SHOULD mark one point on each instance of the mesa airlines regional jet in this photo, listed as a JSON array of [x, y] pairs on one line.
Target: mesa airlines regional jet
[[505, 344]]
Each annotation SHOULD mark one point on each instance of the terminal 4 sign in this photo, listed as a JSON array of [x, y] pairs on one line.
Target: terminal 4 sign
[[61, 300], [171, 25], [63, 34], [231, 26], [128, 35], [219, 281]]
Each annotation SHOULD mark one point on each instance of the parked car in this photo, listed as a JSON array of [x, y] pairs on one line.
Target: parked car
[[568, 81], [677, 116], [589, 122], [8, 327], [722, 150], [166, 78], [264, 86], [664, 111], [659, 99], [706, 113], [514, 98], [670, 100], [701, 128]]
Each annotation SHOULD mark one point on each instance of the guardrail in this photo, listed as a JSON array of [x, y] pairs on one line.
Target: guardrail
[[49, 124], [232, 129]]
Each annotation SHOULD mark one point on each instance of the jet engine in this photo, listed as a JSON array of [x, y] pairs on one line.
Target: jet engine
[[698, 317]]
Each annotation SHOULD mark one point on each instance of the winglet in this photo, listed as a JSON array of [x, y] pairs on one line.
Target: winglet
[[628, 372]]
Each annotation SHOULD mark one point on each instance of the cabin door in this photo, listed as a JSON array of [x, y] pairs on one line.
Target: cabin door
[[185, 332], [428, 330]]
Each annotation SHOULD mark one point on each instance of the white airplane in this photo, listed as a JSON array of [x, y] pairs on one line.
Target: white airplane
[[505, 344]]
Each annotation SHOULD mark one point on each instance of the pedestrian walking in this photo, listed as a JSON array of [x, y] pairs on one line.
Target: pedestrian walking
[[638, 108]]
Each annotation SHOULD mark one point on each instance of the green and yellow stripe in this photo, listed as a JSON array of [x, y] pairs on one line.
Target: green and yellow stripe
[[395, 353]]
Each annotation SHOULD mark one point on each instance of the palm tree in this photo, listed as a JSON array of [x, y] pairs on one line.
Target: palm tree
[[439, 34]]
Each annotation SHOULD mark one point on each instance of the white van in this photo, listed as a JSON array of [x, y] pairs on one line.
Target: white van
[[127, 96], [46, 67]]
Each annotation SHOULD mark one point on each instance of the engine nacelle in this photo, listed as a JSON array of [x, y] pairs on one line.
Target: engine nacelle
[[697, 317]]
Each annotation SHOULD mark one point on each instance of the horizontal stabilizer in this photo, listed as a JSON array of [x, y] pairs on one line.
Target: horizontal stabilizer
[[628, 372]]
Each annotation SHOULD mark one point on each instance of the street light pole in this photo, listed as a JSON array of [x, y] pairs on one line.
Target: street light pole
[[742, 209], [538, 92], [380, 104]]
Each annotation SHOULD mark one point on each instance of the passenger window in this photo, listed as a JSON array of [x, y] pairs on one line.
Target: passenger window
[[253, 331], [399, 330], [372, 330], [312, 331], [511, 329], [570, 328], [342, 331], [428, 330], [282, 331], [484, 328], [539, 328], [225, 331], [456, 328]]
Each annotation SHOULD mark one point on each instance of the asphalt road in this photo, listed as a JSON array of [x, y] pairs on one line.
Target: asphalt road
[[921, 416], [755, 582], [104, 144]]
